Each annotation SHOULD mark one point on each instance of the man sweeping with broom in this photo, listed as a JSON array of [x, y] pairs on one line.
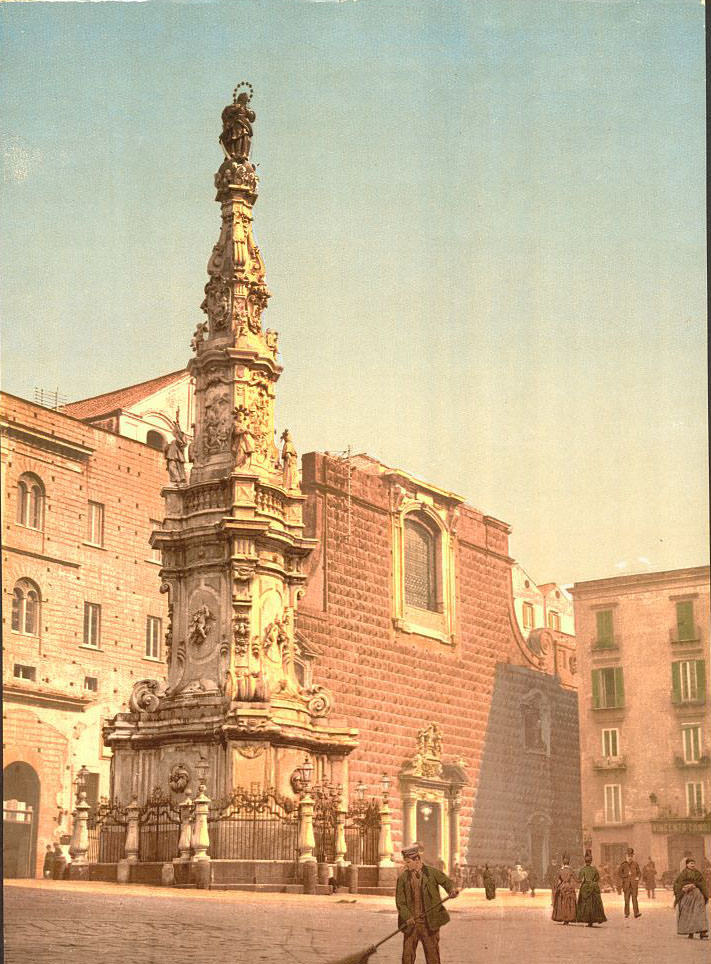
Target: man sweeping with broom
[[419, 908]]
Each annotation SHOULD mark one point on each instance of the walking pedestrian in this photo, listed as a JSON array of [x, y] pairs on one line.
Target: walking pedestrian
[[564, 894], [589, 910], [419, 906], [48, 865], [489, 883], [649, 876], [629, 873], [690, 898], [59, 863]]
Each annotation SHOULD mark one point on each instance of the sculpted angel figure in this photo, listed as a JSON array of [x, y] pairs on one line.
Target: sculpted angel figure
[[174, 453], [200, 625], [242, 438], [289, 460]]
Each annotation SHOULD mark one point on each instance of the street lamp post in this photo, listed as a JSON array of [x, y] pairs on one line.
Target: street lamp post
[[79, 845]]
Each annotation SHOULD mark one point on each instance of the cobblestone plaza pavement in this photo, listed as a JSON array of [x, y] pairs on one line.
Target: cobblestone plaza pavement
[[85, 923]]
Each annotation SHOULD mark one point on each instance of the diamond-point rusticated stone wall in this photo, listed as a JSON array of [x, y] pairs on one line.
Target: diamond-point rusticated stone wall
[[391, 683]]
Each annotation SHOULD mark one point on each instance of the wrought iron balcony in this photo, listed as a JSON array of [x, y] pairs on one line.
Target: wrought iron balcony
[[610, 763], [702, 761], [605, 645]]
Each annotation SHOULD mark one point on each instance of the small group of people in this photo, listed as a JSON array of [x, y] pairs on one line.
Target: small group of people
[[421, 913], [691, 893], [55, 862], [571, 906], [518, 879]]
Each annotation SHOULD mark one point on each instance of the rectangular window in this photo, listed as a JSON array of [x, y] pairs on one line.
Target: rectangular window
[[685, 620], [91, 683], [608, 688], [694, 799], [603, 619], [155, 551], [95, 524], [92, 624], [527, 616], [553, 620], [20, 671], [153, 636], [691, 740], [689, 681], [610, 743], [613, 803]]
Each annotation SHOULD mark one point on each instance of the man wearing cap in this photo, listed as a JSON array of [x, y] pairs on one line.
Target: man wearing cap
[[419, 906], [629, 873]]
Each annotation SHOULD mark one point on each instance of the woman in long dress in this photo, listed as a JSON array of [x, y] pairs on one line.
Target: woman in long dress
[[589, 910], [690, 898], [564, 894], [489, 883]]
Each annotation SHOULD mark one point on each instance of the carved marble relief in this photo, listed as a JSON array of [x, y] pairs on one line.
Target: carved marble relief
[[201, 623], [218, 420]]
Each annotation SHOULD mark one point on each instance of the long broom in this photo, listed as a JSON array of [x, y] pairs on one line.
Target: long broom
[[361, 957]]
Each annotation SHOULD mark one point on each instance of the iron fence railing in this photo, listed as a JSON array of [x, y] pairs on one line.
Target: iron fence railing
[[257, 824]]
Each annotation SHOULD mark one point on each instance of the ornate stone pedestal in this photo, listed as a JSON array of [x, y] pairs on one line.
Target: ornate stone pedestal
[[239, 707]]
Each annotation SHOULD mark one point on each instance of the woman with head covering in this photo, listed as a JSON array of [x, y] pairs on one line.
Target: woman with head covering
[[564, 893], [690, 898], [589, 910]]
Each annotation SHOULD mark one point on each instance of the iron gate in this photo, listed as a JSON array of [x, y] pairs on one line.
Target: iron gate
[[256, 824], [106, 827], [158, 828], [363, 832]]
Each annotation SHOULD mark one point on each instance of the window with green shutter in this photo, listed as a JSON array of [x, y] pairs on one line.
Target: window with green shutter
[[608, 689], [689, 681], [605, 638], [685, 620]]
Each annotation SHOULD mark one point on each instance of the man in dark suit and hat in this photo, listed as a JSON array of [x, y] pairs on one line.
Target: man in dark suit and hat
[[629, 873], [419, 905]]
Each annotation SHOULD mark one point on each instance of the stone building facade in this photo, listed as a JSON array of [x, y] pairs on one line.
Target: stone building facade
[[543, 605], [82, 615], [409, 606], [645, 724]]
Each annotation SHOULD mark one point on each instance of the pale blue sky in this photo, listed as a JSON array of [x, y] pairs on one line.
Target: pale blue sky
[[483, 225]]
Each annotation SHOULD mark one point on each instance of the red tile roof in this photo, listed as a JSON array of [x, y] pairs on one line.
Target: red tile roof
[[89, 408]]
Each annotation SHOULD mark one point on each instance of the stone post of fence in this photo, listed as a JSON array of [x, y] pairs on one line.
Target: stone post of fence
[[131, 847], [79, 867], [201, 840]]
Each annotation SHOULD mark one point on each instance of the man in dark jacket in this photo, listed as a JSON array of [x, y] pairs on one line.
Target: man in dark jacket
[[419, 906], [629, 873]]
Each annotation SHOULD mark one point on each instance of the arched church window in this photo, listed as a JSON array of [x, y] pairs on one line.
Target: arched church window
[[26, 608], [30, 501], [421, 576], [155, 440]]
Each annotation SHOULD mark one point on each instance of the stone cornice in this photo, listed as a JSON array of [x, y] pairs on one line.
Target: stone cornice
[[46, 698], [72, 450], [39, 555], [616, 585]]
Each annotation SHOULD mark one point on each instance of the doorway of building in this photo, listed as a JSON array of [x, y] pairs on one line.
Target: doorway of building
[[20, 810], [679, 844], [538, 843], [612, 855], [428, 830]]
